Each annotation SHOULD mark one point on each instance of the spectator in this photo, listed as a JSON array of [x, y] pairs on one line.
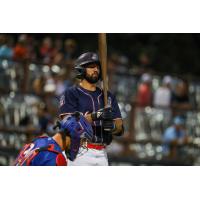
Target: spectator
[[47, 50], [162, 103], [38, 85], [6, 50], [180, 99], [113, 63], [58, 58], [21, 50], [32, 48], [144, 93], [144, 62], [70, 50], [175, 137], [50, 83], [162, 96], [61, 84], [58, 45], [143, 99]]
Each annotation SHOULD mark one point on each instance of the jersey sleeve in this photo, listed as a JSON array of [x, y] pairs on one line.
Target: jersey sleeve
[[115, 107], [68, 102]]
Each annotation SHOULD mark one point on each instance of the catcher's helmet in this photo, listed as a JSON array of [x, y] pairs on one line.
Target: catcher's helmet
[[77, 127], [83, 61]]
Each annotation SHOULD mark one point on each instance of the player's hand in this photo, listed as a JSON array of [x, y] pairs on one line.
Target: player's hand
[[108, 125], [103, 114]]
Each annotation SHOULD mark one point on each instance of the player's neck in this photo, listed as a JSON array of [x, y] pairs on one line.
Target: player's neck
[[58, 138], [88, 86]]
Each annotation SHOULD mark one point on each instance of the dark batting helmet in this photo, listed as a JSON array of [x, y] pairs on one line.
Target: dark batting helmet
[[83, 61]]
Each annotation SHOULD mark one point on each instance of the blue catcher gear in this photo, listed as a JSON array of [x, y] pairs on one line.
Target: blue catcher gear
[[78, 128], [42, 151]]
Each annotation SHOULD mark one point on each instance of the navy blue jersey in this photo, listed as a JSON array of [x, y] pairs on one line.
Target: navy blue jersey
[[43, 151], [79, 99]]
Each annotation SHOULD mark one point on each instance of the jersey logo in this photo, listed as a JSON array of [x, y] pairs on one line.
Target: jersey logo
[[25, 154], [99, 114], [94, 57], [62, 100]]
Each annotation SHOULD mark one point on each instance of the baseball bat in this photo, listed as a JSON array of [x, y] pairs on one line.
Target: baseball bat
[[103, 59]]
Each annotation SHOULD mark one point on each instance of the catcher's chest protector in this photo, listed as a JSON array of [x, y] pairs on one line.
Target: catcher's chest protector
[[49, 154]]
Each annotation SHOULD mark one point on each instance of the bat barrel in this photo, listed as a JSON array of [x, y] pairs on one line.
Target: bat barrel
[[103, 59]]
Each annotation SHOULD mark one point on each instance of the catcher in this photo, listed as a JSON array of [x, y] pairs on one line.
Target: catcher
[[47, 151]]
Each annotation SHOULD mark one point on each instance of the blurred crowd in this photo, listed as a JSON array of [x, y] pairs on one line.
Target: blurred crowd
[[160, 111], [43, 49], [169, 103]]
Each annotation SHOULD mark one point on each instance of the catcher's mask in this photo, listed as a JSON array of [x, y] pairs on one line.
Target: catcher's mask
[[77, 128]]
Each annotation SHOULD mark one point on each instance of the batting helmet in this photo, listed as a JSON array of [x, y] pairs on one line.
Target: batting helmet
[[83, 61]]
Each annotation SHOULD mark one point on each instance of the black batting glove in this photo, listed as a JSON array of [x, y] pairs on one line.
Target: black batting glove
[[103, 114], [108, 125]]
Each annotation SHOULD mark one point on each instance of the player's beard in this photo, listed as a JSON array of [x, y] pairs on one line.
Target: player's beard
[[92, 79]]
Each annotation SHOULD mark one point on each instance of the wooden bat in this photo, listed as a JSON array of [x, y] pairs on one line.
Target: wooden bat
[[103, 59]]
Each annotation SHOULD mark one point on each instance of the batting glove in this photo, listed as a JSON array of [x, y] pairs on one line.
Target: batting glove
[[103, 114], [108, 125]]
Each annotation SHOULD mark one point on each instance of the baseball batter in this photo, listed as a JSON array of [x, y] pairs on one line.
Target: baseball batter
[[47, 151], [87, 98]]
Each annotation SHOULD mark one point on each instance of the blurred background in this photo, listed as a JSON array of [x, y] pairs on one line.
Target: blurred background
[[155, 78]]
